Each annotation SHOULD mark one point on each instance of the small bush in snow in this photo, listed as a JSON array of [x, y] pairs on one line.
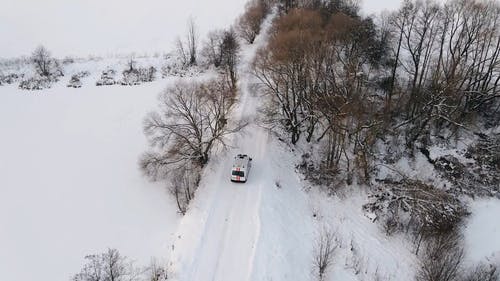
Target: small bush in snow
[[35, 83], [323, 252], [137, 76], [10, 78], [68, 60], [107, 78], [442, 259], [74, 82], [174, 67]]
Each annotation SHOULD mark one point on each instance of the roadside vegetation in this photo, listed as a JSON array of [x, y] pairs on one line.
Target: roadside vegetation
[[359, 95]]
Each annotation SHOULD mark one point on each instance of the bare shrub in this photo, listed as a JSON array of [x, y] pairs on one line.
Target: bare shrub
[[107, 78], [187, 49], [35, 83], [10, 78], [483, 272], [155, 272], [108, 266], [184, 182], [442, 259], [323, 252]]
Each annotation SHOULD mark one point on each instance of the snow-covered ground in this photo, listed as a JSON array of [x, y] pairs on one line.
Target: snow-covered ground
[[69, 179], [482, 232]]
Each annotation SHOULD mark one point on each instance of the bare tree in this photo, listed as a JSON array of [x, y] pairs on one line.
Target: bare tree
[[182, 52], [212, 48], [192, 119], [187, 50], [442, 259], [222, 50], [108, 266], [229, 50], [192, 41], [323, 252], [44, 64]]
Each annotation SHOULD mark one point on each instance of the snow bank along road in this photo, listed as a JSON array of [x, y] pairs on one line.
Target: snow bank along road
[[239, 231]]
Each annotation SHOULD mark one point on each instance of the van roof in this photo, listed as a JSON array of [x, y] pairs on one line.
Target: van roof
[[240, 160]]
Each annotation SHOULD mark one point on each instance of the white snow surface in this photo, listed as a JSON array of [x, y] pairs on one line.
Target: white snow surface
[[69, 179], [482, 232]]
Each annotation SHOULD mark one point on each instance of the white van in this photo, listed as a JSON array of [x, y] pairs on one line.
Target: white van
[[241, 167]]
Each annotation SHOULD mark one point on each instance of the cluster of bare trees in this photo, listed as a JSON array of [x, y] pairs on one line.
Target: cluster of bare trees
[[446, 63], [317, 72]]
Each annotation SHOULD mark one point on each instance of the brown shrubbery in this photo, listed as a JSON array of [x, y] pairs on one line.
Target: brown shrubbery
[[250, 22], [316, 71]]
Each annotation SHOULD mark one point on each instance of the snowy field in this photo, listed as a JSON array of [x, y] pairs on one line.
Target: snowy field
[[70, 182]]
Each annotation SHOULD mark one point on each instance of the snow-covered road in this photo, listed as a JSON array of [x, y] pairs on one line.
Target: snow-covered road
[[229, 233], [231, 228]]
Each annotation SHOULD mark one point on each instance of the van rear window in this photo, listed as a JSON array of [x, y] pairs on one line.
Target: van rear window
[[238, 173]]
